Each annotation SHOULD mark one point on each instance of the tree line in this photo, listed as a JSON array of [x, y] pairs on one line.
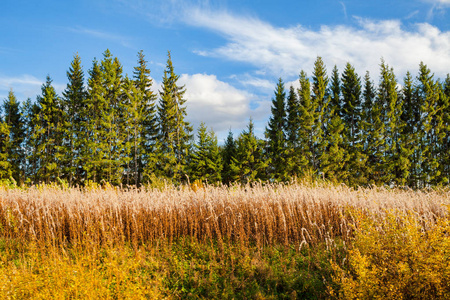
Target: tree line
[[343, 128]]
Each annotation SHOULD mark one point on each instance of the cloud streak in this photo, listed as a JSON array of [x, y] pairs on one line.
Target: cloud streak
[[284, 51], [122, 40]]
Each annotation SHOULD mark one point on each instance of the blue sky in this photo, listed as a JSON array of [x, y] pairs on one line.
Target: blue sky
[[229, 53]]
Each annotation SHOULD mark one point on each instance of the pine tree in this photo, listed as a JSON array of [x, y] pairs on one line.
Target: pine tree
[[351, 115], [320, 100], [372, 128], [333, 158], [49, 129], [397, 161], [206, 161], [410, 118], [174, 131], [228, 155], [145, 128], [15, 123], [75, 106], [293, 155], [5, 165], [445, 147], [306, 119], [96, 146], [249, 164], [31, 112], [276, 135], [431, 125], [113, 116]]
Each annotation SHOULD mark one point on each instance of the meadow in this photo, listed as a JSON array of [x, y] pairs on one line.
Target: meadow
[[305, 240]]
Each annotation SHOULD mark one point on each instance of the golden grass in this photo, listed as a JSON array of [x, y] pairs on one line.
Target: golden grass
[[197, 241], [261, 215]]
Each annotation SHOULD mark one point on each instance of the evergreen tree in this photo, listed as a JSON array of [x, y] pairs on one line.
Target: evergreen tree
[[75, 106], [430, 126], [96, 145], [396, 159], [410, 117], [174, 131], [5, 165], [114, 116], [320, 100], [206, 161], [333, 158], [15, 123], [351, 115], [306, 118], [144, 122], [228, 155], [249, 163], [49, 133], [445, 147], [275, 133], [293, 154], [31, 111], [372, 128], [335, 93]]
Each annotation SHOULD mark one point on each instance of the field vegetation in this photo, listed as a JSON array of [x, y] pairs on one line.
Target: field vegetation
[[263, 241]]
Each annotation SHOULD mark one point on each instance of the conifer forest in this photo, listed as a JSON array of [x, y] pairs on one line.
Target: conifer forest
[[339, 126]]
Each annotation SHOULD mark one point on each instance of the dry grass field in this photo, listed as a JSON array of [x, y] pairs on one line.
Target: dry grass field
[[307, 240]]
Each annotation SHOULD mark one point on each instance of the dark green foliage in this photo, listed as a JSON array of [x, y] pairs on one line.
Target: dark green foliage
[[144, 124], [174, 132], [205, 160], [276, 135], [306, 118], [109, 128], [5, 165], [353, 126], [48, 130], [74, 131], [14, 121], [228, 153], [249, 164]]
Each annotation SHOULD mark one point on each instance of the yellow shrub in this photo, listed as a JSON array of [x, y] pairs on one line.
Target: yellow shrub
[[396, 256]]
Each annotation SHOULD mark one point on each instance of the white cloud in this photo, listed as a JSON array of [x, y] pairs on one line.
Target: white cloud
[[25, 86], [285, 51], [215, 102]]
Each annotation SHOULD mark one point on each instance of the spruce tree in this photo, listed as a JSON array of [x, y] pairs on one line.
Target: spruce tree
[[96, 145], [228, 152], [430, 126], [31, 112], [249, 164], [445, 147], [293, 150], [75, 106], [320, 99], [174, 131], [372, 128], [49, 130], [396, 160], [351, 115], [306, 118], [276, 135], [333, 157], [205, 161], [14, 120], [5, 165], [113, 115], [410, 118], [145, 127]]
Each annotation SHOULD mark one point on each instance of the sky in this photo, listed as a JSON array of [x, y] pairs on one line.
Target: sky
[[229, 53]]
